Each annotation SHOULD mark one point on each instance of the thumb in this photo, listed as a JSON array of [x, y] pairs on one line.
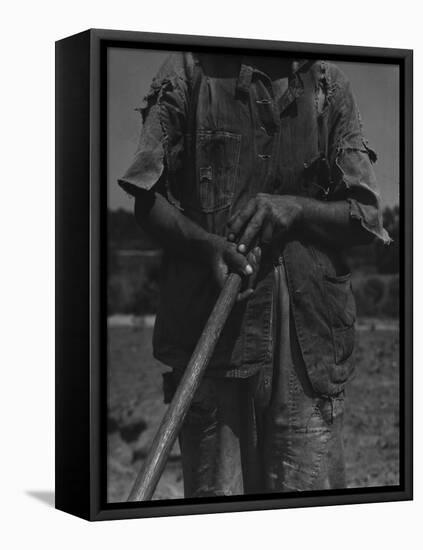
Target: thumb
[[238, 263]]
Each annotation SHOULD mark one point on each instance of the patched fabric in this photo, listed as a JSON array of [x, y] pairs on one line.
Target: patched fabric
[[217, 131]]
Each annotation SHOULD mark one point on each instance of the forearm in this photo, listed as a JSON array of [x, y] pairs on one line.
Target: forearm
[[173, 231], [183, 238], [331, 223], [275, 217]]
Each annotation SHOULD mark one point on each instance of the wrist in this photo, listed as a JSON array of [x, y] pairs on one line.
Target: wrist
[[301, 204], [207, 247]]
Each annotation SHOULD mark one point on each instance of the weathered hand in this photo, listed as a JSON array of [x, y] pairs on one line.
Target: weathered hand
[[264, 219], [253, 258], [225, 258]]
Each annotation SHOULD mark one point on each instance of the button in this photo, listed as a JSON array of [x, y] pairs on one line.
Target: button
[[265, 157]]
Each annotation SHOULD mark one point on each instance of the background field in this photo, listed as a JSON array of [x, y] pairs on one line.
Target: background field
[[136, 407]]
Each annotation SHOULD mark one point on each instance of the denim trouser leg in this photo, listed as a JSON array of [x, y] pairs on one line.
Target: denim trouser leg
[[269, 432], [302, 431], [219, 441]]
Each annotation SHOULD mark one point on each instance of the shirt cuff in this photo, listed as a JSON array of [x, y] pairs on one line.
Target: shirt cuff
[[145, 171], [370, 219]]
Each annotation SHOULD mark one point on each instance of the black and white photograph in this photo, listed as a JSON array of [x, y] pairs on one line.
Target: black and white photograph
[[253, 274], [210, 235]]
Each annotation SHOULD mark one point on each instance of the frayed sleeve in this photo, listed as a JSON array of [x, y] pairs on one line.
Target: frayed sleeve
[[148, 162], [161, 144], [351, 161]]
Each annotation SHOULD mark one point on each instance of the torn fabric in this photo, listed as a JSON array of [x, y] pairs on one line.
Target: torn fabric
[[161, 143]]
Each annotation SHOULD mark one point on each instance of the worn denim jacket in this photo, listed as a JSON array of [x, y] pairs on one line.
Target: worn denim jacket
[[217, 131]]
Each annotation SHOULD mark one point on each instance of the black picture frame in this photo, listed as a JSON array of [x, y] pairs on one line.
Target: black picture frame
[[81, 250]]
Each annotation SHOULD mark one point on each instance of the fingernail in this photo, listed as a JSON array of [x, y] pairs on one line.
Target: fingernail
[[242, 248], [231, 237], [257, 251], [248, 270]]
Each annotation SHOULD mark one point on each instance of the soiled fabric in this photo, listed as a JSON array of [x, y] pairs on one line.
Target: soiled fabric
[[267, 433], [217, 131]]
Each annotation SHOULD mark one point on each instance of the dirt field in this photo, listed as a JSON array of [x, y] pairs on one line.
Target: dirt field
[[136, 408]]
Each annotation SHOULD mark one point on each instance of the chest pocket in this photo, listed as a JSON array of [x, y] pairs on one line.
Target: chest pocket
[[217, 167]]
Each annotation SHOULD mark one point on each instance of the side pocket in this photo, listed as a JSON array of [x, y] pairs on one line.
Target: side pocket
[[342, 314], [217, 163]]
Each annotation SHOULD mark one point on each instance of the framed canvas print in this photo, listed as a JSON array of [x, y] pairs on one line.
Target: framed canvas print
[[234, 274]]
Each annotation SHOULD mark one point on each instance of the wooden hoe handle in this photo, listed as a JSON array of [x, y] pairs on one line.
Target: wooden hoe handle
[[155, 462]]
